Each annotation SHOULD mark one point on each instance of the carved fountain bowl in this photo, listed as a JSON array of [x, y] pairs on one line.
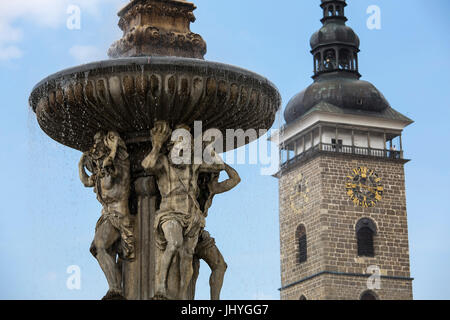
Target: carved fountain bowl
[[129, 94]]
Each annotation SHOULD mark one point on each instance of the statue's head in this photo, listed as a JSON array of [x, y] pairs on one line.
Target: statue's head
[[180, 144], [99, 148]]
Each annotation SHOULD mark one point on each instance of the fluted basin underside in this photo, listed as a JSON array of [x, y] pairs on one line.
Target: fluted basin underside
[[128, 95]]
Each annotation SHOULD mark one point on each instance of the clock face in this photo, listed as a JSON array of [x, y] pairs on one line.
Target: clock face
[[300, 195], [364, 187]]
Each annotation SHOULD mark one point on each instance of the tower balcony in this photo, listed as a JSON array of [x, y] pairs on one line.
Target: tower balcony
[[342, 149], [342, 140]]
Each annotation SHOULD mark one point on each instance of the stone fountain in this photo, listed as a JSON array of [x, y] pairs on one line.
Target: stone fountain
[[120, 113]]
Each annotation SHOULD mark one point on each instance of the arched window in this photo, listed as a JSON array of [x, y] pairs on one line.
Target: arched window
[[339, 11], [352, 61], [345, 59], [330, 10], [368, 295], [303, 298], [329, 60], [355, 62], [302, 250], [365, 232], [317, 63]]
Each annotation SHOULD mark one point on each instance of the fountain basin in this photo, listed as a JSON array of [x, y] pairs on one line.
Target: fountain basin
[[129, 94]]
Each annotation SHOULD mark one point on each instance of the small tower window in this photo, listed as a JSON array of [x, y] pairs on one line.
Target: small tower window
[[330, 11], [317, 67], [329, 61], [302, 252], [365, 232], [345, 60], [368, 295], [303, 298]]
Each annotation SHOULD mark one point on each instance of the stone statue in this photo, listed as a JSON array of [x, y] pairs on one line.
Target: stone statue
[[206, 249], [179, 219], [109, 163]]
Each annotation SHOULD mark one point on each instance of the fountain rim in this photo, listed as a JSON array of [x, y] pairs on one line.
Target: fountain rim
[[150, 60]]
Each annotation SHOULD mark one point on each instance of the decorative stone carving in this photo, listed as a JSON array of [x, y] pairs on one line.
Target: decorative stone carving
[[128, 95], [158, 28], [108, 161], [159, 42]]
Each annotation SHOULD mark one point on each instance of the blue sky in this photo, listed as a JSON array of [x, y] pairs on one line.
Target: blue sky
[[48, 217]]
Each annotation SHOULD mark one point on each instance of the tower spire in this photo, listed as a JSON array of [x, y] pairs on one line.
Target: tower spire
[[333, 10], [335, 46]]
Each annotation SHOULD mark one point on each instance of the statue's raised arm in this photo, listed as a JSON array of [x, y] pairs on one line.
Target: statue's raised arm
[[88, 181], [159, 134], [233, 180]]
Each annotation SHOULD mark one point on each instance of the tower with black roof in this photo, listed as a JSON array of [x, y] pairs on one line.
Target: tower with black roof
[[343, 216]]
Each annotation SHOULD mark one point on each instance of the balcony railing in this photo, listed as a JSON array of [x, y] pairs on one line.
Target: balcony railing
[[341, 149]]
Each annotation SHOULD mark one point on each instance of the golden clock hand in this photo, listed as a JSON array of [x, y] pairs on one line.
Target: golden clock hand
[[366, 186]]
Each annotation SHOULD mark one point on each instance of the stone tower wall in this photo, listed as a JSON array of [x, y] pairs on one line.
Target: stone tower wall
[[330, 219]]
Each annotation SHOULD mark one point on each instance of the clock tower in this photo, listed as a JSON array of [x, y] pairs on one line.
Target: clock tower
[[343, 220]]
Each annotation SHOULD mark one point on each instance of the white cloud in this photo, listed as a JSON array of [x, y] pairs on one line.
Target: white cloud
[[84, 54], [9, 34], [10, 52], [42, 13]]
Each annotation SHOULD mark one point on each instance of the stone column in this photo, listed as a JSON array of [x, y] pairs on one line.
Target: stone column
[[139, 275]]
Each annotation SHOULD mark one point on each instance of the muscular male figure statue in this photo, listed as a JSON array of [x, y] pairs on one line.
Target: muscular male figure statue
[[206, 249], [179, 219], [109, 164]]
